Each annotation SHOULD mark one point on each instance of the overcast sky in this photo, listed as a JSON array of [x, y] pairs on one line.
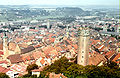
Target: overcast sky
[[59, 2]]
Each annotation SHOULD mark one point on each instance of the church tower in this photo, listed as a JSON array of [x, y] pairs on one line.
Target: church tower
[[5, 46], [83, 46]]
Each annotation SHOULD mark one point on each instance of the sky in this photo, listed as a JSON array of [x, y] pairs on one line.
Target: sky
[[59, 2]]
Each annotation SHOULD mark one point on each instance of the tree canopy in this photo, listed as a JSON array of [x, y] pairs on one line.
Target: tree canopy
[[3, 75], [73, 70]]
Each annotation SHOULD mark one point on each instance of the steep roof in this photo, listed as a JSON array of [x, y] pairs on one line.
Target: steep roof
[[96, 59], [28, 49], [15, 58], [3, 69]]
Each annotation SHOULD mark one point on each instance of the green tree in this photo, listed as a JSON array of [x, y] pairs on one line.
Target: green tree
[[111, 64], [26, 75], [98, 72], [44, 74], [59, 66], [31, 67], [74, 70], [3, 75]]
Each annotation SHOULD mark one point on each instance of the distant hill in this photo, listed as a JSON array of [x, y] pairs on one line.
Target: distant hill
[[17, 12], [70, 10]]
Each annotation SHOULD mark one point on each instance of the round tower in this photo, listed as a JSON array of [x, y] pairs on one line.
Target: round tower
[[48, 24], [83, 46]]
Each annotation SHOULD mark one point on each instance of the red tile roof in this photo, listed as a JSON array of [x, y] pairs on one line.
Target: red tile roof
[[101, 48], [38, 70], [1, 53], [96, 59], [4, 61], [1, 46], [47, 49], [3, 69], [54, 52], [18, 68], [42, 61], [16, 58], [58, 48], [53, 75], [69, 47], [33, 30], [116, 58], [75, 46], [110, 54], [37, 54]]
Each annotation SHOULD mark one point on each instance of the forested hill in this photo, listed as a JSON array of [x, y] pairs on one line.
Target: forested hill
[[70, 11]]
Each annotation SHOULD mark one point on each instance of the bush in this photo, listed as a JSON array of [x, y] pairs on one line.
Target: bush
[[3, 75]]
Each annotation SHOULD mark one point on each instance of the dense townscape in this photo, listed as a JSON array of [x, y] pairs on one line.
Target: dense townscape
[[73, 44]]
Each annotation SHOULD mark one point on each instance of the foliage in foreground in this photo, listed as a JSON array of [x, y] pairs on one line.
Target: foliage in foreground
[[72, 70], [3, 75]]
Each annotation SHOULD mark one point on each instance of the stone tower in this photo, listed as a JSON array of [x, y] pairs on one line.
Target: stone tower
[[67, 32], [83, 46], [5, 46], [48, 24]]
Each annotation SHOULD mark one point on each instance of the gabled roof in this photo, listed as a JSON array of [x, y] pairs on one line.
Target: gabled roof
[[110, 54], [96, 59], [116, 58]]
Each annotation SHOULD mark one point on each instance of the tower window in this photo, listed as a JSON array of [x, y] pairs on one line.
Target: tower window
[[82, 51], [82, 57], [83, 40]]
